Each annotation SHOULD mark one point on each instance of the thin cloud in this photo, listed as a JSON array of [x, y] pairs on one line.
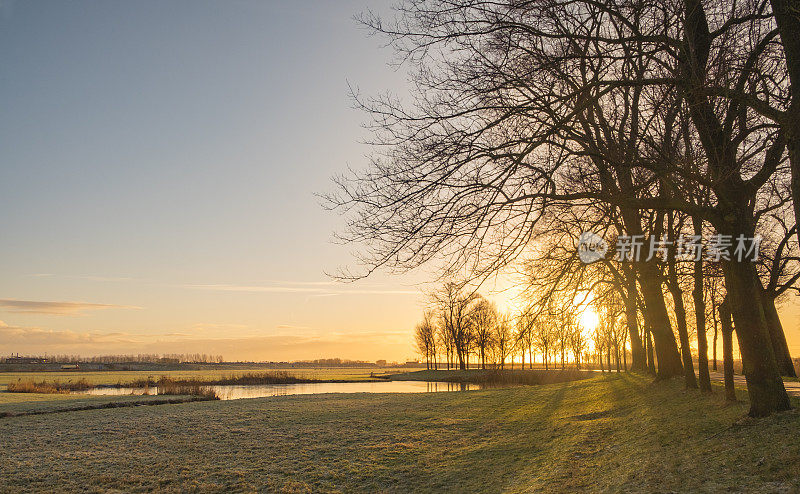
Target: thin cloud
[[324, 288], [275, 347], [256, 288], [379, 292], [87, 277], [55, 308], [42, 340], [216, 326], [303, 283], [316, 291], [320, 295]]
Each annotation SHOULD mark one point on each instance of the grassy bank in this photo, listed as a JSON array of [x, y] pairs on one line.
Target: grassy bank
[[609, 433], [81, 406], [194, 385], [30, 404], [47, 387], [113, 378], [243, 379], [166, 386], [499, 377]]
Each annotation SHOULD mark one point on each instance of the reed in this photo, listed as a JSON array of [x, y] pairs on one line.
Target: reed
[[167, 386], [54, 387], [250, 378]]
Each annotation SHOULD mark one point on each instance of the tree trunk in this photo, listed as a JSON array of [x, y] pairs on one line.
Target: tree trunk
[[624, 356], [764, 383], [787, 17], [666, 349], [651, 364], [778, 337], [716, 329], [639, 359], [700, 318], [689, 379], [727, 350], [650, 280]]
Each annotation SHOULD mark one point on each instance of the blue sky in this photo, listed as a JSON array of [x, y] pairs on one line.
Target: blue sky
[[161, 159], [159, 162]]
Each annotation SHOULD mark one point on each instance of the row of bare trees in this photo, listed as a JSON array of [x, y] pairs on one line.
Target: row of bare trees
[[167, 358], [534, 121], [462, 325]]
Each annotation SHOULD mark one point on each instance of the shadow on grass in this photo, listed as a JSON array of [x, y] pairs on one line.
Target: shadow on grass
[[497, 377]]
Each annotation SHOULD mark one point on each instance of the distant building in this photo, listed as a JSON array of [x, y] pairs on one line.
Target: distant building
[[70, 367], [16, 359]]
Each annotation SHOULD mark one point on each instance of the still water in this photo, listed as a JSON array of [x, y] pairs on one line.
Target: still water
[[261, 390]]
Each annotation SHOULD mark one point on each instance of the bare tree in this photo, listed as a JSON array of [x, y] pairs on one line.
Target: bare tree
[[484, 319], [445, 337], [545, 338], [455, 306], [524, 109], [525, 335], [577, 343], [425, 339], [503, 339]]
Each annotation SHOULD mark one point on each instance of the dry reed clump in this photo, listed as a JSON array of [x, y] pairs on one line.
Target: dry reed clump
[[271, 377], [250, 378], [55, 387], [168, 386]]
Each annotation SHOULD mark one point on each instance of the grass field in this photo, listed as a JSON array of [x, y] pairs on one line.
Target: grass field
[[121, 377], [499, 377], [609, 433], [15, 402]]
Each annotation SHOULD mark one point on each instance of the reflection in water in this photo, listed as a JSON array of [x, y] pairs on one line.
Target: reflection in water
[[229, 392]]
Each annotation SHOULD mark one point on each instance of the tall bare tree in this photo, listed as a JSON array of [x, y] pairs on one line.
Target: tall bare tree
[[425, 339], [484, 319], [524, 109], [503, 339]]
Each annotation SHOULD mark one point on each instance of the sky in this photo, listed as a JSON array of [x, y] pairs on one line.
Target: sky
[[159, 165], [158, 169]]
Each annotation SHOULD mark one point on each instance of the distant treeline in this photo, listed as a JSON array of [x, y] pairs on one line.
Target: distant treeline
[[170, 358], [335, 362], [185, 358]]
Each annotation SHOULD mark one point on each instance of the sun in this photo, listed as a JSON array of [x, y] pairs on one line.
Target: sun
[[589, 319]]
